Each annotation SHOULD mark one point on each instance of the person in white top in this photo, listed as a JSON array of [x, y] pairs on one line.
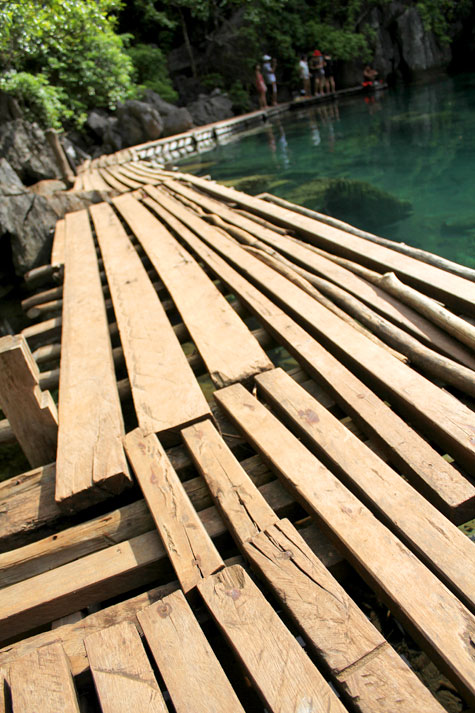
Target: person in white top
[[268, 70], [304, 75]]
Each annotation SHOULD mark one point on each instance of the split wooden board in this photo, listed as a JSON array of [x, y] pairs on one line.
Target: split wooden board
[[189, 667], [189, 546], [90, 452], [443, 484], [164, 389], [228, 349], [432, 613]]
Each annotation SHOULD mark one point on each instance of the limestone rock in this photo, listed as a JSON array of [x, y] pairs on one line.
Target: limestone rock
[[176, 120], [209, 108], [26, 149], [138, 122]]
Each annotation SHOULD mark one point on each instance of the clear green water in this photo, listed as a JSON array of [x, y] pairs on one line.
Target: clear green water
[[416, 144]]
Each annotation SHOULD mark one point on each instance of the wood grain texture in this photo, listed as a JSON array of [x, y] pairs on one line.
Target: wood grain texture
[[435, 617], [58, 249], [122, 674], [164, 389], [227, 347], [189, 546], [244, 509], [90, 452], [373, 295], [281, 671], [31, 412], [417, 460], [435, 282], [421, 526], [360, 660], [43, 677], [439, 413], [191, 672]]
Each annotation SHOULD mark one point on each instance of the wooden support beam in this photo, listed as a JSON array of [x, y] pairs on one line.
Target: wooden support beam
[[57, 251], [43, 678], [122, 674], [90, 452], [188, 665], [189, 546], [281, 671], [164, 389], [31, 412], [417, 460], [226, 345], [433, 615]]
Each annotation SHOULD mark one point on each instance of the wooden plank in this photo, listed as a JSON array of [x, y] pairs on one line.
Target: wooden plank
[[43, 677], [226, 345], [122, 674], [111, 180], [244, 509], [189, 547], [433, 615], [31, 412], [90, 452], [164, 389], [97, 182], [189, 667], [441, 545], [417, 460], [42, 332], [435, 410], [122, 176], [276, 663], [57, 251], [446, 286], [376, 297], [363, 665]]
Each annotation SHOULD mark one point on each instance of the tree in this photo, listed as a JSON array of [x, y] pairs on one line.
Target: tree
[[67, 53]]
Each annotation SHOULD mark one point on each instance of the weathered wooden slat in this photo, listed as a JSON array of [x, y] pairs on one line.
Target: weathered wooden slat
[[432, 613], [244, 509], [191, 672], [122, 674], [443, 484], [443, 285], [57, 251], [97, 182], [189, 546], [377, 298], [441, 545], [124, 177], [438, 412], [281, 671], [54, 293], [42, 332], [364, 666], [90, 452], [111, 180], [164, 389], [31, 412], [41, 680], [228, 349]]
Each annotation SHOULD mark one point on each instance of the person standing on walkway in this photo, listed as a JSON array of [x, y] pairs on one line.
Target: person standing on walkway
[[329, 69], [261, 88], [304, 75], [268, 70], [318, 74]]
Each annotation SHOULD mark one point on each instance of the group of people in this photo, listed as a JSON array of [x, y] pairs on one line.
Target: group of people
[[317, 74]]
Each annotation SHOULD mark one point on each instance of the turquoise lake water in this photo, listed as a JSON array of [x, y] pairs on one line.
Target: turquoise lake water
[[407, 157]]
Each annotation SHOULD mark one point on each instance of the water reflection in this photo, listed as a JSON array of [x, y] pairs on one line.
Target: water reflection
[[398, 162]]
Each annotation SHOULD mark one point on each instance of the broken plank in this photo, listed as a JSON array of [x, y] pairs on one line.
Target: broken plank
[[447, 287], [281, 671], [90, 452], [189, 546], [31, 412], [363, 665], [164, 389], [433, 615], [122, 674], [189, 667], [43, 677], [244, 508], [227, 347], [448, 489], [441, 545]]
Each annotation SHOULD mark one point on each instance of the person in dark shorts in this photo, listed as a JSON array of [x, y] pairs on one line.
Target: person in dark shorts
[[317, 73], [268, 71], [329, 69]]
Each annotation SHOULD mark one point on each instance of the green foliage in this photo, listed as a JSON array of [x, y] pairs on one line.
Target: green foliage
[[72, 46], [239, 98], [39, 100], [437, 15], [150, 70]]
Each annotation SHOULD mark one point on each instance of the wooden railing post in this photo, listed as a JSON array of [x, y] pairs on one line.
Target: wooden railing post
[[31, 412]]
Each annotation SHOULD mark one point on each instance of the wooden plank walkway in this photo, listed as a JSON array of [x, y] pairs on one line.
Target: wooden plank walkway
[[288, 541]]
